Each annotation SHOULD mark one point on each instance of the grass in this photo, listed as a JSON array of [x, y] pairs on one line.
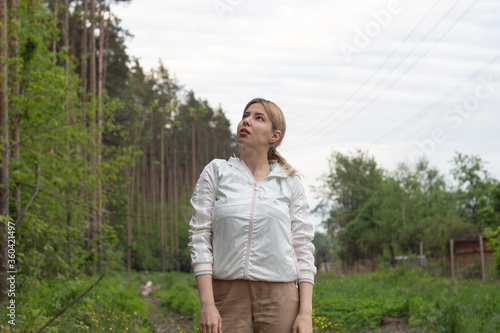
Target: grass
[[113, 305], [429, 304], [341, 304]]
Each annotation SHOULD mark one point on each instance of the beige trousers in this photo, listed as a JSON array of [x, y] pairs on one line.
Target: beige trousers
[[256, 306]]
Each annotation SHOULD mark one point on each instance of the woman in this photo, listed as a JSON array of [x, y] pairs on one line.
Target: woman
[[250, 235]]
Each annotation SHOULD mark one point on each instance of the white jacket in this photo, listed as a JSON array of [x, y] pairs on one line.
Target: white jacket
[[243, 229]]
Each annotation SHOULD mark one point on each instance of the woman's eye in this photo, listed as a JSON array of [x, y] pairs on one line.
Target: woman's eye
[[260, 118]]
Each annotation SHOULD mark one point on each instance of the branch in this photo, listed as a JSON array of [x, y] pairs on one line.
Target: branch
[[70, 304], [19, 217]]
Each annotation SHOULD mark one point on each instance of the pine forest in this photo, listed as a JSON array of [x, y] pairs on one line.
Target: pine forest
[[99, 157]]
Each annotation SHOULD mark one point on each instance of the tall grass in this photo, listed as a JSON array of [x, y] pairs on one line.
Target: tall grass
[[112, 305]]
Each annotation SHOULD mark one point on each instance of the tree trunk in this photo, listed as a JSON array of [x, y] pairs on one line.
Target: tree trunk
[[54, 39], [170, 199], [100, 86], [14, 27], [162, 190], [146, 195], [65, 27], [207, 150], [137, 176], [128, 193], [72, 49], [4, 141], [152, 182], [171, 218], [92, 88], [106, 46], [65, 38], [176, 206], [83, 67], [68, 234], [174, 196], [138, 195], [92, 50], [83, 104]]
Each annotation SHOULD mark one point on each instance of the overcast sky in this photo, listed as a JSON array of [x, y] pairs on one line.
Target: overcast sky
[[400, 79]]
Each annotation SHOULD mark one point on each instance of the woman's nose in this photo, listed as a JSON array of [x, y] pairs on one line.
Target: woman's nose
[[246, 122]]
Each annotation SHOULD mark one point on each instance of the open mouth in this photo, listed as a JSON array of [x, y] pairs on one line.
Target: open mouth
[[244, 131]]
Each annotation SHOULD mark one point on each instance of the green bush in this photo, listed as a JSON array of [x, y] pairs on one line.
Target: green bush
[[182, 299]]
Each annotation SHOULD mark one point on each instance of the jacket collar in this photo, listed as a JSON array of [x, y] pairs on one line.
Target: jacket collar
[[278, 170]]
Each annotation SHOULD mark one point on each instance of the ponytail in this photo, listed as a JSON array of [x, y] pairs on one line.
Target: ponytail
[[273, 156]]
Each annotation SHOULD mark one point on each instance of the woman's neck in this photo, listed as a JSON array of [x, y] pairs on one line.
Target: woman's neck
[[257, 163]]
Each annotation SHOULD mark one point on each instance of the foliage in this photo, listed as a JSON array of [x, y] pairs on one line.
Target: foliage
[[478, 194], [348, 185], [373, 212], [493, 237], [182, 299]]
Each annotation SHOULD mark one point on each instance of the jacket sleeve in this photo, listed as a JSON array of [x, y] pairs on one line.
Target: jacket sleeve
[[200, 226], [302, 232]]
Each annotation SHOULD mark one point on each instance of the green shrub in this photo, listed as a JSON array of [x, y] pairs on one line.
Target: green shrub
[[181, 298]]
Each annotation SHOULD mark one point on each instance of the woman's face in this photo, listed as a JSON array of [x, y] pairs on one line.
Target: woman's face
[[256, 128]]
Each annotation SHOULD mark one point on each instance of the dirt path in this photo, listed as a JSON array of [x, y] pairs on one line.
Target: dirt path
[[164, 321]]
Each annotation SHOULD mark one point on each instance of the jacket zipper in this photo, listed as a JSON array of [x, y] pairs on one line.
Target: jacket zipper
[[250, 232], [252, 213]]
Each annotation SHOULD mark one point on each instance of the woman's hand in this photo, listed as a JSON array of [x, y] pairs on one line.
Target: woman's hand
[[210, 319], [303, 323]]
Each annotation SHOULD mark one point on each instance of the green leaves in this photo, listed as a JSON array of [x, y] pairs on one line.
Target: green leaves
[[372, 209], [493, 244]]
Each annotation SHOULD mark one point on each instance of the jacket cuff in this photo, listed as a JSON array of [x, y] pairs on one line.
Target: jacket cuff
[[201, 269], [306, 276]]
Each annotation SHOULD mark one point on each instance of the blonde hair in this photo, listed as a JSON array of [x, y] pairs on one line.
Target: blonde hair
[[279, 123]]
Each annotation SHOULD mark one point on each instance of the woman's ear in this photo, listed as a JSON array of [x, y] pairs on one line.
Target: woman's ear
[[275, 137]]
